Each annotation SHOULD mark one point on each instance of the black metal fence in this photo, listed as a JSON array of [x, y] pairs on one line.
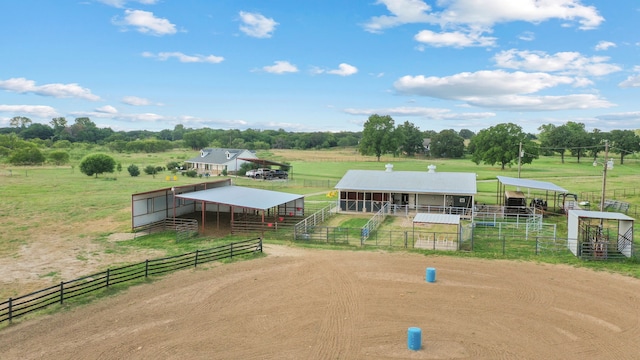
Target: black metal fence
[[66, 290]]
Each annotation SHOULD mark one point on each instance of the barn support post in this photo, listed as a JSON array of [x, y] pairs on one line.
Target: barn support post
[[204, 214]]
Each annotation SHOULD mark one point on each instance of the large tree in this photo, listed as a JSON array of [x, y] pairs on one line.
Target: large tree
[[579, 140], [447, 144], [20, 121], [555, 138], [500, 144], [95, 164], [378, 136], [410, 138], [624, 142]]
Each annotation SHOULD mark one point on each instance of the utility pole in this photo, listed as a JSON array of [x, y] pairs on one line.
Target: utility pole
[[519, 159], [604, 173]]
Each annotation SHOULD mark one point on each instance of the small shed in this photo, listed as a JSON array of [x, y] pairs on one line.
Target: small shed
[[598, 235], [452, 220]]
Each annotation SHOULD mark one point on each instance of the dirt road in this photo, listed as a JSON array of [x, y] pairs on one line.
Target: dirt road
[[320, 304]]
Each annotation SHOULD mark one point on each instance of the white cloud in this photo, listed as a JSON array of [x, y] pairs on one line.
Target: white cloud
[[135, 101], [42, 111], [343, 69], [146, 23], [121, 3], [425, 112], [281, 67], [466, 20], [490, 12], [605, 45], [403, 12], [107, 109], [163, 56], [632, 81], [527, 36], [482, 83], [454, 39], [22, 85], [541, 103], [502, 90], [563, 62], [257, 25]]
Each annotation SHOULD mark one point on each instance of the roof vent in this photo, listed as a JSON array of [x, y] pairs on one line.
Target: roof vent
[[432, 168], [388, 168]]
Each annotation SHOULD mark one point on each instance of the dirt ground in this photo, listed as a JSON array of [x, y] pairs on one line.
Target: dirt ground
[[321, 304]]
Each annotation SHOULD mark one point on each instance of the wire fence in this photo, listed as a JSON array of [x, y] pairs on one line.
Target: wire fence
[[67, 290]]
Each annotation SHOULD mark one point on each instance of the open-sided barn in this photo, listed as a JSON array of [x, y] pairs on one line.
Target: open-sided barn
[[219, 202]]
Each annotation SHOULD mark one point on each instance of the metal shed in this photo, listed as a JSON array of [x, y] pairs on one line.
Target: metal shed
[[588, 234]]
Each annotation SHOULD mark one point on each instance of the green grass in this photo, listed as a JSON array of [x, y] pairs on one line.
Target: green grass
[[44, 202]]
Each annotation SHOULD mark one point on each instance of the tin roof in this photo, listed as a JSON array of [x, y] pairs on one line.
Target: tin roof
[[242, 196], [437, 219], [409, 181], [531, 184], [600, 215]]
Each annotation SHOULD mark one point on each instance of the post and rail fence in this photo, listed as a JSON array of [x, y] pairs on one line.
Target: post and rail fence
[[66, 290]]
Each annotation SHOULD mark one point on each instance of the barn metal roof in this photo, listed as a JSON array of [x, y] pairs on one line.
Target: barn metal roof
[[242, 196], [437, 219], [600, 215], [409, 182], [531, 184]]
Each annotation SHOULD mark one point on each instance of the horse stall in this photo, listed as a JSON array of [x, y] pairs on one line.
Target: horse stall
[[597, 235]]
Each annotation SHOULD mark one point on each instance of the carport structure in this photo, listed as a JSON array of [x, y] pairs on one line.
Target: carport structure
[[547, 187], [249, 208], [265, 162]]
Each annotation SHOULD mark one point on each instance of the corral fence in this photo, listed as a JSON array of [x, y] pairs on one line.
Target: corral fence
[[613, 200], [374, 223], [66, 290], [304, 229], [184, 228]]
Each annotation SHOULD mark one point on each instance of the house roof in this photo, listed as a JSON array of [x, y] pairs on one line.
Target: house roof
[[242, 196], [409, 182], [531, 184], [217, 155]]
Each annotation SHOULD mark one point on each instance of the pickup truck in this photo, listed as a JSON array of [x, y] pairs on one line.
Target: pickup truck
[[262, 173]]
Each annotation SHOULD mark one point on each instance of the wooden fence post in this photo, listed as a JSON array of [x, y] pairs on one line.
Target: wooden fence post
[[108, 273], [231, 250], [195, 263], [61, 292], [10, 310], [146, 268]]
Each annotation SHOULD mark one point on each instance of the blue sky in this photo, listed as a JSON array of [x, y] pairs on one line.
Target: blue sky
[[321, 65]]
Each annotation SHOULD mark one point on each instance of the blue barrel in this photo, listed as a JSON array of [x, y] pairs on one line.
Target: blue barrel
[[431, 274], [414, 338]]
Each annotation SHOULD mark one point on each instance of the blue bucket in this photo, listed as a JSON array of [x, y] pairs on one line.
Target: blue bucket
[[414, 338], [431, 274]]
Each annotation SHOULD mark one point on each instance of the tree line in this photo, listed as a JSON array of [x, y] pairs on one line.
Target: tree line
[[503, 144]]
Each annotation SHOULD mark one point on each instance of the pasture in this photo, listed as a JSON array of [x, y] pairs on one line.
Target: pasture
[[58, 224]]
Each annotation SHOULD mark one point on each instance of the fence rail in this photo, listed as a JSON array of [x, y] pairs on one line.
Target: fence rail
[[58, 294], [184, 228]]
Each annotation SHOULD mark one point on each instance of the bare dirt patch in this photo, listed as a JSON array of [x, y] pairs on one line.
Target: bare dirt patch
[[320, 304]]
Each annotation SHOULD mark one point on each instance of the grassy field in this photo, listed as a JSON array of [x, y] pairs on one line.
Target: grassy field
[[47, 204]]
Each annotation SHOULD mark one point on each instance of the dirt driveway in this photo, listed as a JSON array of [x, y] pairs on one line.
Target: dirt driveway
[[320, 304]]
